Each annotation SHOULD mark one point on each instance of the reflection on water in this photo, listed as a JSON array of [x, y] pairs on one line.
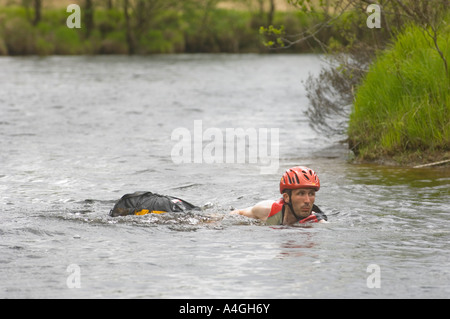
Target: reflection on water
[[79, 132], [297, 248]]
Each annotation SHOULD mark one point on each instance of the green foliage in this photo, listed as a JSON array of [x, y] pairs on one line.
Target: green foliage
[[3, 48], [163, 36], [44, 47], [18, 36], [403, 103], [109, 21], [67, 41], [274, 36], [114, 42], [189, 27]]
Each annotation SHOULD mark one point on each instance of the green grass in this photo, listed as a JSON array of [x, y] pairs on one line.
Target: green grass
[[403, 104]]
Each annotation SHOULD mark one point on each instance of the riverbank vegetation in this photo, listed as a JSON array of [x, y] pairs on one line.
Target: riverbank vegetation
[[389, 96], [29, 27], [402, 107]]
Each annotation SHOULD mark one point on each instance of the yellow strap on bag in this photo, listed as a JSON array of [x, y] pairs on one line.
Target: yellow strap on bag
[[146, 211]]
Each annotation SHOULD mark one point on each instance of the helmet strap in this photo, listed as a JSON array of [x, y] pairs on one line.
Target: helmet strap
[[292, 208]]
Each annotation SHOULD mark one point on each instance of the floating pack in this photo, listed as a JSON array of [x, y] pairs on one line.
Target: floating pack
[[142, 203]]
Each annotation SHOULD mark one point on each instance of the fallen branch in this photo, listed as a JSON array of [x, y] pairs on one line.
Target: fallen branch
[[432, 164]]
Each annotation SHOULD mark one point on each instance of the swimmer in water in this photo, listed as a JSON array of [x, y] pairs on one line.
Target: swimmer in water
[[298, 187]]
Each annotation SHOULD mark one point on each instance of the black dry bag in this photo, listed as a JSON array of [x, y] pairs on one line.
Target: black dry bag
[[142, 203]]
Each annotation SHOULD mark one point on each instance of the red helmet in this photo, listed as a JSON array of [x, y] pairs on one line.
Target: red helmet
[[299, 177]]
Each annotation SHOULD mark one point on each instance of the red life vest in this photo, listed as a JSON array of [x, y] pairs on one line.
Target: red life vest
[[277, 208]]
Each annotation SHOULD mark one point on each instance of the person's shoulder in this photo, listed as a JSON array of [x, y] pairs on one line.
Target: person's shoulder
[[265, 203], [262, 209]]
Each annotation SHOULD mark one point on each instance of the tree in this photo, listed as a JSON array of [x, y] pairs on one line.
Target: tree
[[139, 17], [128, 29], [89, 16], [271, 12], [37, 6], [109, 4], [332, 93], [37, 11]]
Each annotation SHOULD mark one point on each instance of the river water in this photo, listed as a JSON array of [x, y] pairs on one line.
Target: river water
[[79, 132]]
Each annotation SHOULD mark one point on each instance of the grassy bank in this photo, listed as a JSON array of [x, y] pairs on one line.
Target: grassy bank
[[189, 30], [402, 109]]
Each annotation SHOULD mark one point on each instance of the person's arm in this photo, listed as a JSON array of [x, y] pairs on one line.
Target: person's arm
[[259, 211]]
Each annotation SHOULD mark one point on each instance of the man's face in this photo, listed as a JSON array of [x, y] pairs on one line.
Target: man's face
[[302, 201]]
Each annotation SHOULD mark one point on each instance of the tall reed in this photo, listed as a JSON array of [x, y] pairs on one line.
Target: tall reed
[[403, 104]]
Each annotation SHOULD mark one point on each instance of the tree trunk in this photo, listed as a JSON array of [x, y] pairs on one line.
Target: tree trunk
[[271, 12], [89, 16], [37, 11], [128, 31]]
